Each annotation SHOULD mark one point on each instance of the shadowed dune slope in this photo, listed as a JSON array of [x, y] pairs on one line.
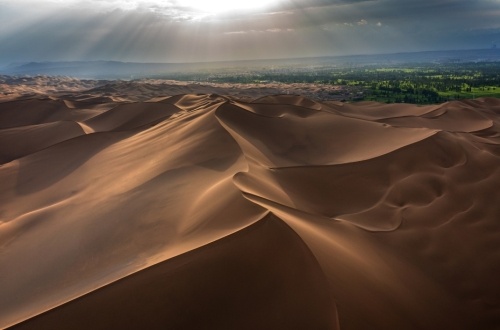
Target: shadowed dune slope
[[201, 211], [131, 115], [38, 111], [21, 141]]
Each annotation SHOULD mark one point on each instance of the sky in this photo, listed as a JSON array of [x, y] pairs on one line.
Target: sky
[[218, 30]]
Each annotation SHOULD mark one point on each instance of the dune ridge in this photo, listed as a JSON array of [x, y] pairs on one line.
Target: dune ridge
[[279, 212]]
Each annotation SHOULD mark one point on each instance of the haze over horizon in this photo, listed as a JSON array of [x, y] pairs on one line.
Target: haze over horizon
[[191, 31]]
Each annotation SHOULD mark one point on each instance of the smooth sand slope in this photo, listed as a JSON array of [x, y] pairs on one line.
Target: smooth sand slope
[[199, 211]]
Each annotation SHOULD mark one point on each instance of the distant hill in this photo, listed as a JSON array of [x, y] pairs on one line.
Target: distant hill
[[131, 70], [92, 69]]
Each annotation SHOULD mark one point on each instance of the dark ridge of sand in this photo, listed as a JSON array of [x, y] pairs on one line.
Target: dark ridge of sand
[[38, 111], [121, 207], [21, 141], [128, 116]]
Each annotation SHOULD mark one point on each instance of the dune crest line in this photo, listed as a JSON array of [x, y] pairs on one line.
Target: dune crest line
[[277, 212]]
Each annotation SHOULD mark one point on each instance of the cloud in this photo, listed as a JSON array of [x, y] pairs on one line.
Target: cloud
[[167, 30], [237, 32], [275, 30], [305, 4]]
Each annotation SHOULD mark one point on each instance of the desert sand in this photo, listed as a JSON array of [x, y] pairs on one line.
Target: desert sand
[[123, 207]]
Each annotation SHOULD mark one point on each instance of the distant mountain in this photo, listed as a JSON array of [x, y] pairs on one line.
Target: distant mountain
[[92, 69], [130, 70]]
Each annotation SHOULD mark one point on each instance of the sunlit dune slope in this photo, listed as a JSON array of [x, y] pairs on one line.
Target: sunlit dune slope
[[199, 211]]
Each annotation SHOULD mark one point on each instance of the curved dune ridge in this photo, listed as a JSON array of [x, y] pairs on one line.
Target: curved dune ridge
[[199, 211]]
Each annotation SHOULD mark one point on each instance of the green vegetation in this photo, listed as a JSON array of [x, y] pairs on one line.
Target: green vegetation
[[409, 83], [433, 84]]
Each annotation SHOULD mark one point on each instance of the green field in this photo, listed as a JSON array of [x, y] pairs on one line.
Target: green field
[[474, 92], [409, 83]]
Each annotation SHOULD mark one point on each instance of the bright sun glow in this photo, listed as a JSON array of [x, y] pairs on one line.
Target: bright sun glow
[[220, 6]]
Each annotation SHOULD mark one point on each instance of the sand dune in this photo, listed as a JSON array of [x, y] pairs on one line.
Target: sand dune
[[252, 291], [130, 115], [24, 140], [204, 211]]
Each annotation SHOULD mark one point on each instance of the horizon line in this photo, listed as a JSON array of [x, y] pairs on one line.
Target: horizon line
[[251, 60]]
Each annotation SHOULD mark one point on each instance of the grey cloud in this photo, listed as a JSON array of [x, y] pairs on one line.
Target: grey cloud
[[167, 31]]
